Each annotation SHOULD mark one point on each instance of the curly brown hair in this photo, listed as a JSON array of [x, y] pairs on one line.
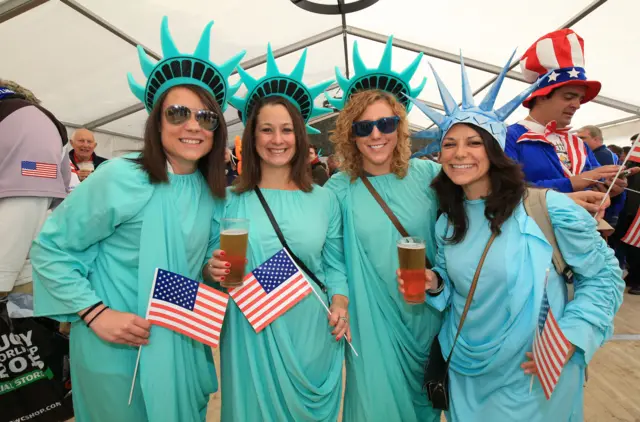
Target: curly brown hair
[[343, 138]]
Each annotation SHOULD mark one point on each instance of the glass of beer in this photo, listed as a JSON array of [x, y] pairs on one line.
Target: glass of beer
[[411, 254], [234, 236]]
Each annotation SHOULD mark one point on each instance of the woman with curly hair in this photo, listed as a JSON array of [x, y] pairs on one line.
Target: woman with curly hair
[[394, 337]]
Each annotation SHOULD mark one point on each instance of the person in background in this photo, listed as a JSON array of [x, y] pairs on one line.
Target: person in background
[[318, 170], [333, 164], [625, 151], [616, 150], [34, 177], [230, 167], [551, 156], [83, 157]]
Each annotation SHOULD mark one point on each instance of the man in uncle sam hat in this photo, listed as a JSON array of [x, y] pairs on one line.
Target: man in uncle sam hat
[[551, 156]]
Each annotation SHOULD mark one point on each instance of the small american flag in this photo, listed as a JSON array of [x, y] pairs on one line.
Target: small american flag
[[633, 234], [550, 348], [187, 306], [37, 169], [271, 290], [634, 154]]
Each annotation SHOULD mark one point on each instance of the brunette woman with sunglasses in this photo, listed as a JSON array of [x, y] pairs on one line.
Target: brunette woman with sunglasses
[[95, 259]]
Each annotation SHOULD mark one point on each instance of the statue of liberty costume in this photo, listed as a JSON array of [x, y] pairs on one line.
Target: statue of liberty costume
[[104, 243], [292, 369], [486, 380], [393, 338]]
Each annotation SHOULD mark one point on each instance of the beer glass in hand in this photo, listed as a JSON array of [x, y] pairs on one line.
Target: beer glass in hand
[[411, 254], [234, 235]]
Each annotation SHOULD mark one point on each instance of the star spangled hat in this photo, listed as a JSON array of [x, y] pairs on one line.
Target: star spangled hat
[[177, 68], [289, 86], [562, 53], [382, 78], [482, 115]]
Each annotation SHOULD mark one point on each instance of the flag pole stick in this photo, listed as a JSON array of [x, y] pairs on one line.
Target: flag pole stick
[[546, 280], [597, 181], [329, 312], [135, 371], [635, 144]]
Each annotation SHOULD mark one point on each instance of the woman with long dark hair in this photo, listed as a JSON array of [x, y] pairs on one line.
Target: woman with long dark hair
[[482, 194], [288, 369], [95, 259]]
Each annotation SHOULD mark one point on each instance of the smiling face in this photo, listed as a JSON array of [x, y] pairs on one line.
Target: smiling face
[[275, 136], [83, 144], [185, 143], [561, 106], [377, 148], [464, 160]]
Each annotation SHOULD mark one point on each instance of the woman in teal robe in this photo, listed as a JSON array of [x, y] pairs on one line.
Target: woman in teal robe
[[104, 243], [292, 369], [490, 376], [393, 337]]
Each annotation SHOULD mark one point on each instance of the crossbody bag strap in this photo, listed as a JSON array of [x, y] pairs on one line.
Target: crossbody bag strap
[[388, 211], [297, 260], [472, 290]]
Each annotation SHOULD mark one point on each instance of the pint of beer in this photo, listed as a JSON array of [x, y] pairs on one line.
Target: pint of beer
[[234, 236], [411, 253]]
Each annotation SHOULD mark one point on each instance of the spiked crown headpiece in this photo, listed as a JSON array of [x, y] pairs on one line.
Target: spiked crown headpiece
[[178, 68], [289, 86], [382, 78], [483, 115]]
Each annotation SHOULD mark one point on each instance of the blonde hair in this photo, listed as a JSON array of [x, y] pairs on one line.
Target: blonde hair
[[343, 139], [20, 90]]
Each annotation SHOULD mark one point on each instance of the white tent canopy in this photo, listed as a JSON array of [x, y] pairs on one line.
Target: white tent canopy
[[74, 55]]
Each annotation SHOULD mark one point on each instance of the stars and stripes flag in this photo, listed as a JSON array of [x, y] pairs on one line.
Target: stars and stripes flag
[[550, 348], [270, 290], [187, 306], [37, 169], [633, 234], [634, 154]]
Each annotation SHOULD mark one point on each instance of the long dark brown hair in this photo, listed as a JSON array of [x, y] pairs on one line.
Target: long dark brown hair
[[154, 160], [507, 190], [251, 169]]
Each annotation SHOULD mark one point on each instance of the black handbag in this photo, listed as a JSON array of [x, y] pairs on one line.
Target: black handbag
[[297, 260], [436, 373]]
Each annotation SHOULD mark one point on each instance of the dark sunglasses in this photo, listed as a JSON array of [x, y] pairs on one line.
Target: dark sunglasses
[[384, 125], [179, 114]]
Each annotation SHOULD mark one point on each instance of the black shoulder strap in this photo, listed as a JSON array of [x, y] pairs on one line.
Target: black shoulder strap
[[274, 223]]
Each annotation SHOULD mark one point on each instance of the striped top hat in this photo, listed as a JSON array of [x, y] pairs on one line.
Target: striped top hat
[[562, 53]]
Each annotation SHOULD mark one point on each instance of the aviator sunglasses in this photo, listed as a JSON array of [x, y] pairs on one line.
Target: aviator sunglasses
[[179, 114], [384, 125]]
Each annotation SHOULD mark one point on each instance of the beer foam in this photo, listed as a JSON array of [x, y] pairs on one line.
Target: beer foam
[[411, 245], [235, 232]]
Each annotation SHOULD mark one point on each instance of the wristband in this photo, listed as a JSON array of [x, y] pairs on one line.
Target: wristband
[[88, 311], [440, 287], [97, 315]]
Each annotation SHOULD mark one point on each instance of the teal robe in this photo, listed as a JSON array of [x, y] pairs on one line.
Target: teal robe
[[392, 337], [486, 380], [103, 243], [292, 369]]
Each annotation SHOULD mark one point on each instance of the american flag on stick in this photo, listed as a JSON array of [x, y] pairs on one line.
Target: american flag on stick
[[634, 154], [550, 348], [187, 306], [270, 290], [633, 234]]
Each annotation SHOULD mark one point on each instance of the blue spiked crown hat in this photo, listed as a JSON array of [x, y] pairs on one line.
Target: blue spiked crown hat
[[177, 68], [483, 116], [289, 86], [382, 78]]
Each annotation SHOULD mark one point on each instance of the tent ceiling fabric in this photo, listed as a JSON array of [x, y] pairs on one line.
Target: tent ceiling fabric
[[78, 68]]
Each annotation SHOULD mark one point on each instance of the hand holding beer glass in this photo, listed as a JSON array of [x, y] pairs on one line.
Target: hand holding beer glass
[[413, 279], [227, 266]]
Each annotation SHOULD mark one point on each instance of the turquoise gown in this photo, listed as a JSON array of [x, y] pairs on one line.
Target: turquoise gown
[[292, 369], [486, 380], [392, 337], [103, 244]]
